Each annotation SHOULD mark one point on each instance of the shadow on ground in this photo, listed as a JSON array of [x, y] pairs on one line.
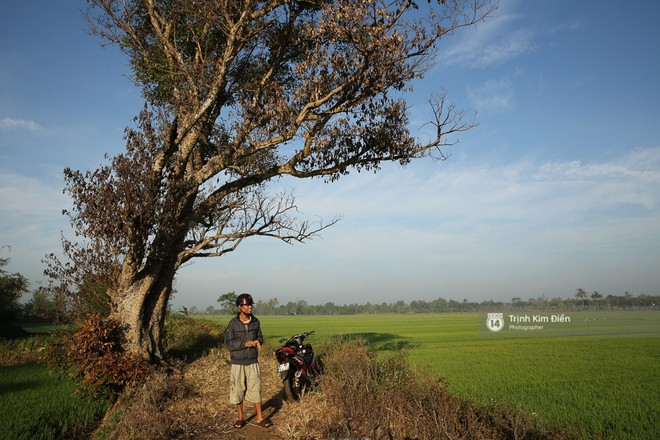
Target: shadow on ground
[[381, 341]]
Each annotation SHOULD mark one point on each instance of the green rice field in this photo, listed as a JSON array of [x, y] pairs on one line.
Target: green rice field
[[597, 375], [34, 404]]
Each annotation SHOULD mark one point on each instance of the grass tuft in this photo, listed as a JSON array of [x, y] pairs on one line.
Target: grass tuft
[[367, 395]]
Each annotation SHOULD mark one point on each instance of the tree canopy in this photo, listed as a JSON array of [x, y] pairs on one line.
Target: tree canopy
[[237, 94], [12, 287]]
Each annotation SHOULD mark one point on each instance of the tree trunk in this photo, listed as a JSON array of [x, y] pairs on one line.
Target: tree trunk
[[141, 306], [140, 303]]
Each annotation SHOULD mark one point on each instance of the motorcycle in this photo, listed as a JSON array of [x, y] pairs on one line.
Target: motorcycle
[[298, 366]]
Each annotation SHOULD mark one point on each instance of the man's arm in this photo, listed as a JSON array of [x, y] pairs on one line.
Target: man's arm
[[231, 342]]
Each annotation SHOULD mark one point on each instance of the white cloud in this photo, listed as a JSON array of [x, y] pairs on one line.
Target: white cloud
[[23, 197], [456, 229], [490, 43], [493, 210], [571, 25], [505, 36], [493, 95], [30, 215], [461, 230], [11, 123], [30, 222], [634, 180]]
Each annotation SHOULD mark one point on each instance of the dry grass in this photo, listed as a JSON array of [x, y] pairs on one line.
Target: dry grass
[[360, 397], [365, 396], [191, 402]]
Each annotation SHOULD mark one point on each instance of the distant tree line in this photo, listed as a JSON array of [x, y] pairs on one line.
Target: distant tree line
[[593, 301], [49, 304], [46, 303]]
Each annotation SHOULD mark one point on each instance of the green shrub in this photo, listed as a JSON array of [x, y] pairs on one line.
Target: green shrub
[[190, 338], [25, 350]]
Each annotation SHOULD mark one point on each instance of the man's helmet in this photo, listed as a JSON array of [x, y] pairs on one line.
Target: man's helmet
[[244, 298]]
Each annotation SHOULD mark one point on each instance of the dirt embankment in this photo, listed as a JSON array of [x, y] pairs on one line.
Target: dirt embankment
[[362, 395], [193, 402]]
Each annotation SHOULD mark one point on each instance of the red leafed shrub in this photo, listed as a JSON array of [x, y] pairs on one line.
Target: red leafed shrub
[[94, 355]]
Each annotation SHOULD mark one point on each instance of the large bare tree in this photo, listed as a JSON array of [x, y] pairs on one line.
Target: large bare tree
[[239, 92]]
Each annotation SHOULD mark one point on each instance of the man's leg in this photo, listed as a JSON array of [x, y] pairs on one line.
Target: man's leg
[[257, 407], [253, 391], [237, 392]]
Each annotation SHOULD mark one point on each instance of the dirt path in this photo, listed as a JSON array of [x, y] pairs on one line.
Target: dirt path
[[193, 403], [207, 413]]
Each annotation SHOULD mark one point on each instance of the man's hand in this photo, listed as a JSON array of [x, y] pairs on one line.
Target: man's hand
[[254, 343]]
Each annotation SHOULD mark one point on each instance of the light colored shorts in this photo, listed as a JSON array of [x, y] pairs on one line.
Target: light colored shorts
[[245, 383]]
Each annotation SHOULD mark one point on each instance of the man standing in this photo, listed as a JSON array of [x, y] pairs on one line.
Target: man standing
[[243, 338]]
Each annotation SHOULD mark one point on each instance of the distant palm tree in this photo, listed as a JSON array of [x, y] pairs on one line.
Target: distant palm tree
[[581, 294], [595, 295]]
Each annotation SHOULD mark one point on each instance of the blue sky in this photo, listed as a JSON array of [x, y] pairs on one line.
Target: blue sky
[[558, 188]]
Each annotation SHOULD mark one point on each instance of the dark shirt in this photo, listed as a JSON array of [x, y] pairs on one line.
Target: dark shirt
[[237, 334]]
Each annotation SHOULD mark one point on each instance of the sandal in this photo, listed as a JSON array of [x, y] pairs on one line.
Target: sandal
[[238, 424], [265, 423]]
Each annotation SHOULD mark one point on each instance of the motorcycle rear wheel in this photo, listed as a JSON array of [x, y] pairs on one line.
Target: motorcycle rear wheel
[[291, 392]]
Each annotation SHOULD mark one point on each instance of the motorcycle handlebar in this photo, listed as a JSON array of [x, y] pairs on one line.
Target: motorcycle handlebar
[[300, 336]]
